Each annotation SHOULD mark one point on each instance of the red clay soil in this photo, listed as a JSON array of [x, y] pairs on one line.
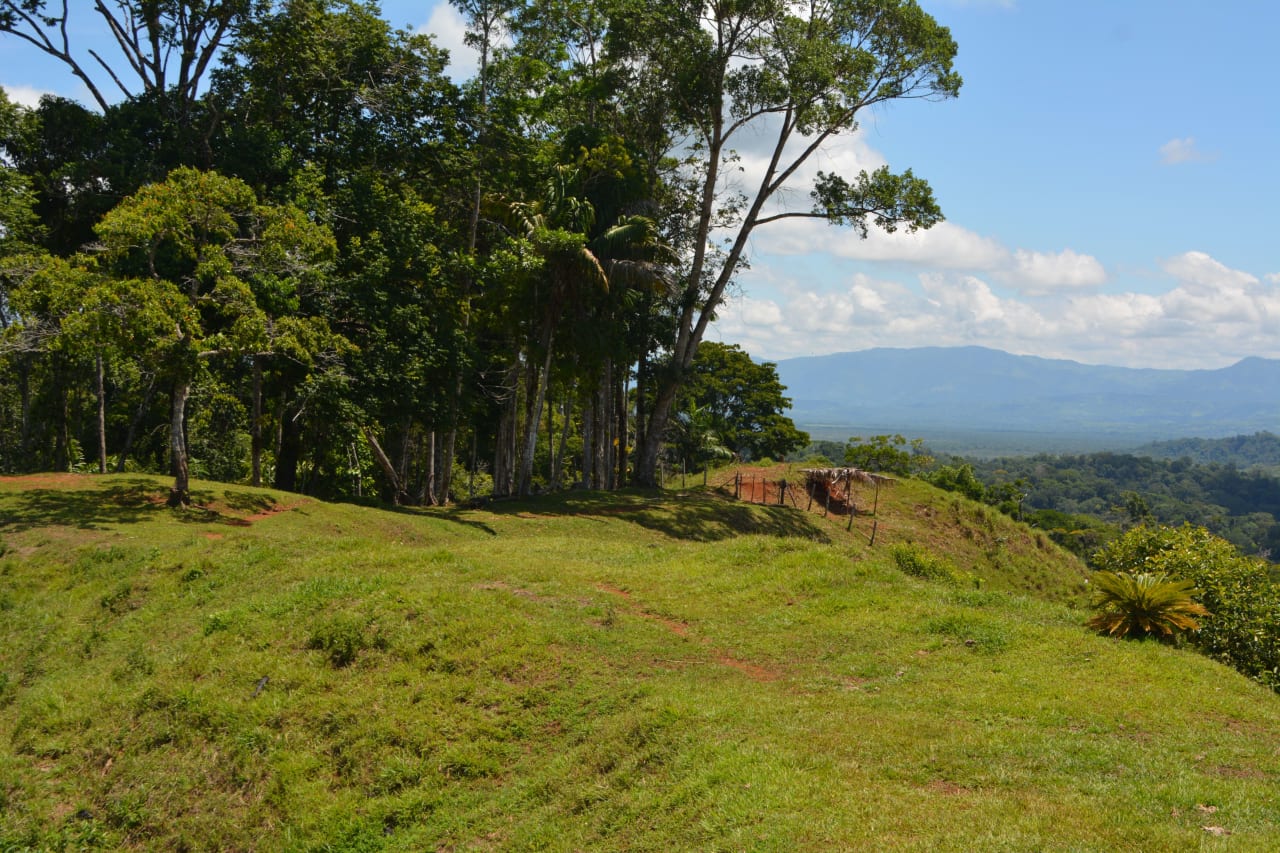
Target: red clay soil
[[41, 481]]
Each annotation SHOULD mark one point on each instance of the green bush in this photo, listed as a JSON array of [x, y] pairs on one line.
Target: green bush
[[1242, 627], [917, 562]]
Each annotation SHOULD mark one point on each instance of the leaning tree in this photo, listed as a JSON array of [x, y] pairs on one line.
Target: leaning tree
[[793, 75]]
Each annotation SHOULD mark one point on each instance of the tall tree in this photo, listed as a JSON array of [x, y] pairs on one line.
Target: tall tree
[[743, 402], [794, 74], [165, 46], [210, 250]]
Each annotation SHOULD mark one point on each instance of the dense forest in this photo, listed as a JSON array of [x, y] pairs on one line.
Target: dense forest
[[1260, 451], [280, 245]]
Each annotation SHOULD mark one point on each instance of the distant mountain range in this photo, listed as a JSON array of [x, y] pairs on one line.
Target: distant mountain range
[[979, 389]]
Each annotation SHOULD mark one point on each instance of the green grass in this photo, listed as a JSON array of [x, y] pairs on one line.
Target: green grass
[[587, 672]]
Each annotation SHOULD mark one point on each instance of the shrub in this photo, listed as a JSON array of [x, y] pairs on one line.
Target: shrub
[[342, 638], [1143, 605], [1242, 627], [917, 562]]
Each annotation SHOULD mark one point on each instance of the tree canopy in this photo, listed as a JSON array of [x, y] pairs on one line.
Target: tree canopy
[[280, 244]]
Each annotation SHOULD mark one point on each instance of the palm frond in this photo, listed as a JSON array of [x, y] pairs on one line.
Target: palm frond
[[1143, 605]]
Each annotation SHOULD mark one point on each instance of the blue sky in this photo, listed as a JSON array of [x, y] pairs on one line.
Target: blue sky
[[1108, 175]]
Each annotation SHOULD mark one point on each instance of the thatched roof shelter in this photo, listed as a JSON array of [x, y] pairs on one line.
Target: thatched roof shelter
[[846, 475]]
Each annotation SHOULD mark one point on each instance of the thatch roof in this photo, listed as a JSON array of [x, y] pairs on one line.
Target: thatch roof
[[837, 475]]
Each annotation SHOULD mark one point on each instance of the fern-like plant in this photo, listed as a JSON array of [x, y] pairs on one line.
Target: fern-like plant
[[1143, 605]]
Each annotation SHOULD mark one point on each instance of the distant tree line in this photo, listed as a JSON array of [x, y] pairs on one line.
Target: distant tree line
[[1259, 451], [281, 246]]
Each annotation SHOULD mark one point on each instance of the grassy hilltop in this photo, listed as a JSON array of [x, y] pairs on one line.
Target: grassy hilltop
[[624, 671]]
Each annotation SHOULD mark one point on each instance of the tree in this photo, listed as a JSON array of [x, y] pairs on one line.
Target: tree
[[167, 45], [213, 254], [743, 401], [887, 454], [797, 74]]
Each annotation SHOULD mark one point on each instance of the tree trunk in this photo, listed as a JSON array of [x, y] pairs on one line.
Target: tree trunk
[[551, 440], [557, 471], [605, 454], [255, 429], [136, 422], [389, 469], [646, 473], [428, 493], [61, 434], [288, 449], [100, 387], [620, 419], [532, 420], [24, 389], [588, 440], [504, 446], [180, 494]]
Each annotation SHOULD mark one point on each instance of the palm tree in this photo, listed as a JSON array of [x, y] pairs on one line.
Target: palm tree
[[1144, 605], [626, 255]]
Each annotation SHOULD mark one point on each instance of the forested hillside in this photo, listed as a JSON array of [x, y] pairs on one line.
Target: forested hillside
[[1237, 505], [1260, 450], [296, 252]]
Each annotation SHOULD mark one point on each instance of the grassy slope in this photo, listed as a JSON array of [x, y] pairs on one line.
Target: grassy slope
[[593, 672]]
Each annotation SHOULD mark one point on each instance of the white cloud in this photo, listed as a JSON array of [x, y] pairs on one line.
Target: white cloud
[[1184, 150], [945, 246], [449, 29], [1198, 268], [28, 96], [1210, 315], [1037, 273]]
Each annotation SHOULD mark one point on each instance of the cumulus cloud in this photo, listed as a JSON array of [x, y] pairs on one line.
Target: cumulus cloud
[[1184, 150], [1037, 273], [945, 246], [1198, 268], [449, 28], [28, 96]]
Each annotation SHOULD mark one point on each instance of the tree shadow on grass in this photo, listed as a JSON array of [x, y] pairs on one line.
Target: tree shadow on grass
[[123, 502], [454, 514], [688, 516]]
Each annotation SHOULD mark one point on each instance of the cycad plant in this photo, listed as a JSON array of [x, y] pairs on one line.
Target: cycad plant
[[1144, 605]]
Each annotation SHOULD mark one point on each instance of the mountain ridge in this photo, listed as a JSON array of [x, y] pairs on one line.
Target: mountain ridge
[[980, 388]]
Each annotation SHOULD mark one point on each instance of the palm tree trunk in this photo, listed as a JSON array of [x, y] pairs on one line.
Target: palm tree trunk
[[532, 420], [255, 431]]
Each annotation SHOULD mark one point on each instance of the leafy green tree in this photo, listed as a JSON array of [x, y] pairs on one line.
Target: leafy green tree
[[209, 251], [957, 478], [888, 454], [795, 76], [743, 402]]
